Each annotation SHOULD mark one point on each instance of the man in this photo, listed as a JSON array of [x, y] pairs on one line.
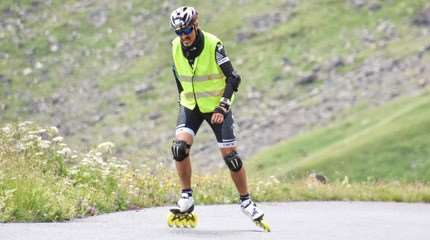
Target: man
[[206, 83]]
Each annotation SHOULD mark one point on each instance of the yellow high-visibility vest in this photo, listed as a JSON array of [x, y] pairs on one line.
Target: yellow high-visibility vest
[[203, 83]]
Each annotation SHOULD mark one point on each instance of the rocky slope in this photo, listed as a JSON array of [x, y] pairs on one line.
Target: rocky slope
[[99, 70]]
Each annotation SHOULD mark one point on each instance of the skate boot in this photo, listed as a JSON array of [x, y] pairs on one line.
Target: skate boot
[[182, 216], [250, 209]]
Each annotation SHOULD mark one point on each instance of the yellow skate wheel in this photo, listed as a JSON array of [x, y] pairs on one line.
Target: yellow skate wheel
[[186, 223], [263, 224], [181, 222], [193, 220], [171, 220], [188, 220]]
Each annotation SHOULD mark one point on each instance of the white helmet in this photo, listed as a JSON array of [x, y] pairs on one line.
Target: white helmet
[[183, 17]]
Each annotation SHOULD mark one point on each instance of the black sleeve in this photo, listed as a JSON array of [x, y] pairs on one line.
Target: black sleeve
[[175, 75], [227, 69], [232, 78]]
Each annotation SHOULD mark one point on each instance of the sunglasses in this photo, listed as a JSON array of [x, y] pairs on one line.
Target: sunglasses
[[187, 31]]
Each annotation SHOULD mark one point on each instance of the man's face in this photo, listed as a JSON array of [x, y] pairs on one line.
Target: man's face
[[188, 39]]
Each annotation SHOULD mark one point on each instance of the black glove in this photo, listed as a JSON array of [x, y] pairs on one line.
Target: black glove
[[223, 106]]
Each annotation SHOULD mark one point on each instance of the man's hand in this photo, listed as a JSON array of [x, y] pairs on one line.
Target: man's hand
[[217, 118], [220, 111]]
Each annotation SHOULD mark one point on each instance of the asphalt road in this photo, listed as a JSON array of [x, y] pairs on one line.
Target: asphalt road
[[293, 220]]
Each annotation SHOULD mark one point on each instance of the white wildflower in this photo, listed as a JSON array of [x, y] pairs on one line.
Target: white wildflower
[[25, 124], [85, 161], [106, 147], [275, 180], [27, 71], [68, 182], [38, 65], [53, 130], [345, 180], [7, 129], [65, 151], [105, 172], [57, 139], [44, 144], [20, 147], [39, 131], [54, 48], [74, 170], [31, 137]]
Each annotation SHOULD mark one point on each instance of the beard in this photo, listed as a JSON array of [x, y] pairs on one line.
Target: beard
[[187, 41]]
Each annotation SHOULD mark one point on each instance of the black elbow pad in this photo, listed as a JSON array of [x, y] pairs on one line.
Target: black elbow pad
[[235, 80]]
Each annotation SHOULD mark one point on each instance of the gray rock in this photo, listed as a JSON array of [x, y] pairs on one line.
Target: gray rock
[[277, 78], [96, 119], [36, 3], [154, 116], [308, 79], [4, 80], [91, 211], [286, 61], [267, 21], [98, 18], [244, 36], [358, 3], [338, 62], [375, 7], [143, 88], [422, 83], [3, 106], [423, 18], [129, 6], [57, 98], [4, 55], [334, 63], [52, 39], [389, 32], [29, 52], [425, 50], [367, 36], [253, 93], [264, 22]]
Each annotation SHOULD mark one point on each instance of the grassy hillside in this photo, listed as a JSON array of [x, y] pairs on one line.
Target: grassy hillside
[[76, 64], [386, 143], [42, 179]]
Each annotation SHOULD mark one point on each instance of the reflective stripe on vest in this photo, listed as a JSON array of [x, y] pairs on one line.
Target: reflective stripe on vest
[[205, 94], [202, 78], [204, 83]]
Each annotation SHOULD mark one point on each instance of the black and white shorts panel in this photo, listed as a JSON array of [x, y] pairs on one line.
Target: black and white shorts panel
[[189, 121], [225, 134]]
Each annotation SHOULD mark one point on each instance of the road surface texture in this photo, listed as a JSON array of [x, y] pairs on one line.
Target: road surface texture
[[293, 220]]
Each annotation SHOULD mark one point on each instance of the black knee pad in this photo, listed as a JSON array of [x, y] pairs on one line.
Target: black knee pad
[[233, 161], [180, 150]]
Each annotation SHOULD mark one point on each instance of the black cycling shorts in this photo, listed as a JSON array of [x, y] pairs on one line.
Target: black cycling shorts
[[190, 121]]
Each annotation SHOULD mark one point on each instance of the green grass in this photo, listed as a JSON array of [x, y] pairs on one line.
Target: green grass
[[386, 143], [315, 32]]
